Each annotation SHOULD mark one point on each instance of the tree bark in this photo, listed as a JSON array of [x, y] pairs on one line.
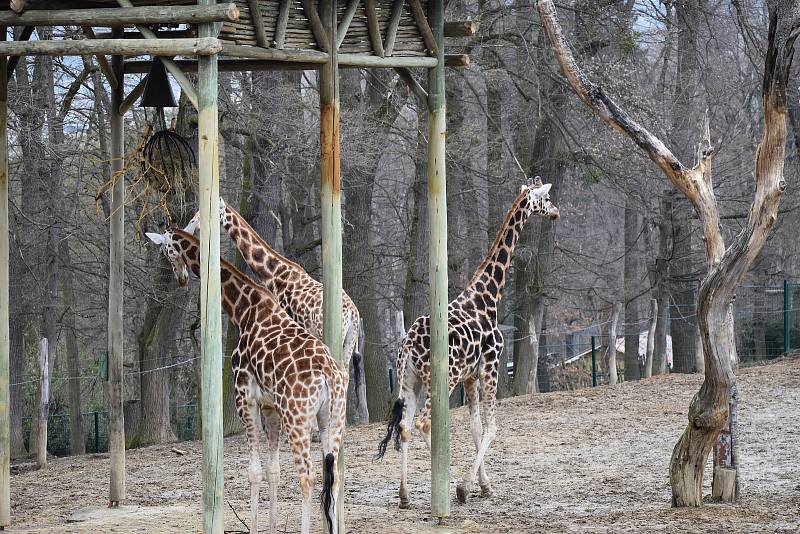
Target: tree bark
[[415, 303], [77, 441], [631, 264], [711, 406], [651, 338]]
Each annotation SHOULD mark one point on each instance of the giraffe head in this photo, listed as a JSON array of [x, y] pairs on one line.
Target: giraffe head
[[539, 198], [194, 224], [171, 248]]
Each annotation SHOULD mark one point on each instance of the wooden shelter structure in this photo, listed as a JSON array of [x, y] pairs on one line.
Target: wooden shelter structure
[[207, 37]]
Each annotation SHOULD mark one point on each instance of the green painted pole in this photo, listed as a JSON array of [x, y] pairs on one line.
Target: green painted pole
[[594, 362], [787, 310], [5, 343], [210, 287], [437, 221], [330, 193], [116, 281], [96, 432]]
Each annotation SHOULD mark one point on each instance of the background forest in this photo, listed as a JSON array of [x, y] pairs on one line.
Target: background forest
[[625, 236]]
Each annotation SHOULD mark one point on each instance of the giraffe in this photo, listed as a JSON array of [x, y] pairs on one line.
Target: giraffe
[[298, 293], [280, 371], [475, 344]]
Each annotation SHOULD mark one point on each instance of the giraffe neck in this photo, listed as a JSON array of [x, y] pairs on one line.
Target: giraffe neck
[[239, 292], [262, 259], [490, 276]]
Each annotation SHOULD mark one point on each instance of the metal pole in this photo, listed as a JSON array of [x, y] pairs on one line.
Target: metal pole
[[787, 310], [5, 344], [330, 193], [210, 286], [437, 221], [116, 280], [594, 363]]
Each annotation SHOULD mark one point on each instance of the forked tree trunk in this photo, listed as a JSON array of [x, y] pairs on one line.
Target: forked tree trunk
[[710, 407], [651, 339], [611, 357]]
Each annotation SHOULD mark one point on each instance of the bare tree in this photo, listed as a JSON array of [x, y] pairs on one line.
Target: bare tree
[[710, 409]]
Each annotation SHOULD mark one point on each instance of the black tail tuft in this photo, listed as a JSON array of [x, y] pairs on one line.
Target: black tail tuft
[[392, 429], [327, 489]]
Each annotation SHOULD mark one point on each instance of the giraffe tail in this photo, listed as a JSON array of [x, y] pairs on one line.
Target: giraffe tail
[[327, 489], [392, 428]]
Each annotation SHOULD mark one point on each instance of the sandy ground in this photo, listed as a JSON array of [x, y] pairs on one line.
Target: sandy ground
[[593, 460]]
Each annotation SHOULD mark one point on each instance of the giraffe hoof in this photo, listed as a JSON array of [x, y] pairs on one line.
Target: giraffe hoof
[[461, 494], [486, 491], [405, 504]]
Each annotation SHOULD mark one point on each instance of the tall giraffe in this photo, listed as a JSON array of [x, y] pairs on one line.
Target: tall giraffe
[[281, 370], [475, 344], [298, 293]]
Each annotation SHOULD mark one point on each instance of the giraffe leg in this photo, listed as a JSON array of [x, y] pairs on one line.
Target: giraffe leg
[[423, 423], [299, 433], [489, 386], [406, 424], [248, 412], [273, 432], [476, 426]]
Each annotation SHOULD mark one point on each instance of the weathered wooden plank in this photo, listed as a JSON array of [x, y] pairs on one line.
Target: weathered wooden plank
[[116, 16], [374, 27], [365, 61], [12, 62], [44, 404], [394, 23], [424, 28], [227, 65], [258, 23], [460, 28], [320, 35], [123, 47], [456, 60], [280, 25], [347, 18]]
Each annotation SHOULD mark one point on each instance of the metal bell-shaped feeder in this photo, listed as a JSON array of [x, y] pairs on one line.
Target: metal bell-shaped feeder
[[157, 89]]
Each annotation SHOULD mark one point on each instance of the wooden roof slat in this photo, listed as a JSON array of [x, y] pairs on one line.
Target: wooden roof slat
[[424, 28]]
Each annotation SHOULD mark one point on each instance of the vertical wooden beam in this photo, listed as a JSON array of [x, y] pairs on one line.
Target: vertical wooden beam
[[280, 24], [373, 27], [116, 280], [330, 192], [394, 23], [437, 221], [5, 344], [210, 287], [258, 23]]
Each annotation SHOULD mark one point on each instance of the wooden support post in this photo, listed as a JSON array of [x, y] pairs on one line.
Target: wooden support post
[[280, 24], [347, 18], [320, 35], [437, 221], [330, 193], [394, 23], [124, 47], [116, 423], [210, 287], [258, 23], [5, 344], [44, 404], [431, 40], [373, 27]]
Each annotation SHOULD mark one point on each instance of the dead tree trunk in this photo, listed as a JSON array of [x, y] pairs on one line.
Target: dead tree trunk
[[44, 402], [651, 339], [711, 406], [611, 357]]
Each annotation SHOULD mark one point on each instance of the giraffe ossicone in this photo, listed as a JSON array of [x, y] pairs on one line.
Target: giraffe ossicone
[[475, 344]]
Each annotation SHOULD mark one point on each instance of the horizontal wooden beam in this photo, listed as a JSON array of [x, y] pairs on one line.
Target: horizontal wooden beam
[[456, 60], [274, 54], [460, 28], [161, 34], [227, 65], [123, 47], [117, 16], [365, 61]]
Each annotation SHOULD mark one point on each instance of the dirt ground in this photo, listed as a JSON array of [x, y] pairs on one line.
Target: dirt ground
[[593, 460]]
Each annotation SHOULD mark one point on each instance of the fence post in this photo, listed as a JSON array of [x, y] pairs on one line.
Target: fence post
[[96, 432], [787, 308], [594, 362]]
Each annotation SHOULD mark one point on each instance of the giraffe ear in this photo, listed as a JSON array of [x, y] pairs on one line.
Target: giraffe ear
[[158, 239], [193, 225], [545, 188], [537, 181]]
